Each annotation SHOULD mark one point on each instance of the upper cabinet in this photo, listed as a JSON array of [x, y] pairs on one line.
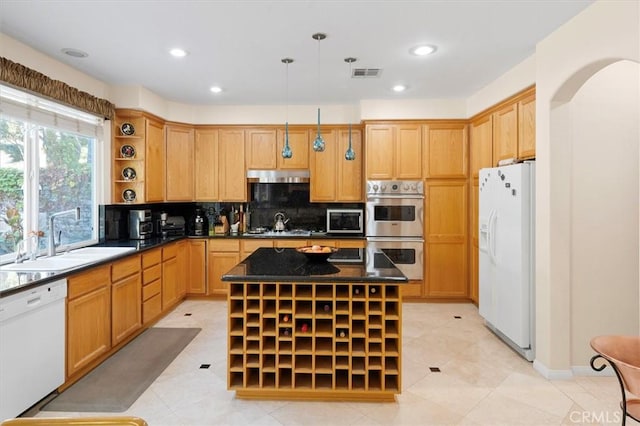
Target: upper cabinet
[[260, 149], [514, 128], [350, 185], [231, 155], [179, 163], [299, 143], [205, 165], [446, 150], [154, 164], [393, 151], [481, 142]]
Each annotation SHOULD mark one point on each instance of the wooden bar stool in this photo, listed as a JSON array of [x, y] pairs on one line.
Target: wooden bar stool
[[623, 354]]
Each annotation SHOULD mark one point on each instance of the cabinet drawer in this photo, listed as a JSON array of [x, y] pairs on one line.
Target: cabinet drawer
[[151, 274], [169, 251], [151, 289], [249, 246], [352, 243], [224, 245], [151, 308], [150, 258], [87, 282], [124, 268]]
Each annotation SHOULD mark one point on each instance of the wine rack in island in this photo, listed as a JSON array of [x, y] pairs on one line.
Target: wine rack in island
[[314, 340]]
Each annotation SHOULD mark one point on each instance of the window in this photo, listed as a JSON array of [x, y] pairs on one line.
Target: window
[[48, 164]]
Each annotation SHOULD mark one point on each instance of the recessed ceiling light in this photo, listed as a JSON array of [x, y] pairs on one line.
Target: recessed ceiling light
[[216, 89], [423, 50], [178, 53], [76, 53], [399, 88]]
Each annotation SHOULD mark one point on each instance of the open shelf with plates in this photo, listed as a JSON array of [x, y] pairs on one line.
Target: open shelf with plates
[[336, 341]]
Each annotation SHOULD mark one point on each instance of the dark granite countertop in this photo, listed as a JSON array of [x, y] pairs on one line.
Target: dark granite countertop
[[267, 264]]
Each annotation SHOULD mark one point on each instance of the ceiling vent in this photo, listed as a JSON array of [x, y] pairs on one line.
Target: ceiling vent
[[366, 72]]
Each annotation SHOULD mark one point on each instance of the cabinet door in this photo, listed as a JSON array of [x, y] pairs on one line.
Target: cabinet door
[[349, 187], [408, 152], [379, 151], [446, 148], [154, 161], [179, 163], [481, 142], [196, 270], [126, 307], [323, 170], [183, 274], [206, 165], [233, 178], [169, 283], [218, 264], [299, 144], [260, 149], [527, 127], [505, 133], [446, 238], [88, 324]]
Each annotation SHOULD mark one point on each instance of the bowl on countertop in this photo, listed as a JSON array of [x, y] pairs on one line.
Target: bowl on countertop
[[317, 253]]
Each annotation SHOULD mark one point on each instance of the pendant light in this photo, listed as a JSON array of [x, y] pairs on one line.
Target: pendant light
[[318, 144], [286, 151], [350, 154]]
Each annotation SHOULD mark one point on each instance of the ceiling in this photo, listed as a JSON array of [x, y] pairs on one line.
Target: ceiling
[[238, 45]]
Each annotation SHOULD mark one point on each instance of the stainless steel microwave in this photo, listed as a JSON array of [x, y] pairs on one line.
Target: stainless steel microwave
[[345, 221]]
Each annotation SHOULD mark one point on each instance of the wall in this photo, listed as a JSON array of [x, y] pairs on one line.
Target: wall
[[602, 34]]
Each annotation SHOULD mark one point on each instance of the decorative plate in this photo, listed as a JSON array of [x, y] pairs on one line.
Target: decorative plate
[[128, 173], [129, 195], [127, 129], [127, 151]]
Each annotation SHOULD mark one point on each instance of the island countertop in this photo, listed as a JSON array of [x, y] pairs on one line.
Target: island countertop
[[273, 264]]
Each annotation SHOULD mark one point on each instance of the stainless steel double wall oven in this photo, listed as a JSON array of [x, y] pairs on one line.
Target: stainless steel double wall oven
[[395, 224]]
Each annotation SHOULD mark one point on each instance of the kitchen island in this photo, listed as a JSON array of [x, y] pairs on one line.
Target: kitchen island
[[302, 329]]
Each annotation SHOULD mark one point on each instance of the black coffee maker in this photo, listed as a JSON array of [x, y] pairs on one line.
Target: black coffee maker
[[199, 224]]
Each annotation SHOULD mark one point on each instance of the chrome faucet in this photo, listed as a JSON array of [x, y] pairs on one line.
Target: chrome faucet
[[51, 248]]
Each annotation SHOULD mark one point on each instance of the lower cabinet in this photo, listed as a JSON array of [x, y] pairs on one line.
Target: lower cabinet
[[222, 255], [170, 270], [197, 267], [126, 298], [151, 285], [88, 318]]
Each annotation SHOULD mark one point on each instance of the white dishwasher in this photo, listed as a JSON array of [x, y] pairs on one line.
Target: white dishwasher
[[32, 346]]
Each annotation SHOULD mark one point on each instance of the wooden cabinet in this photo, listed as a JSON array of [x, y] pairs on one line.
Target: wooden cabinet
[[481, 142], [249, 246], [182, 255], [333, 178], [126, 298], [88, 318], [154, 176], [179, 163], [196, 269], [514, 128], [299, 143], [446, 239], [205, 165], [527, 127], [151, 285], [393, 151], [222, 255], [232, 177], [446, 150], [170, 276], [260, 149]]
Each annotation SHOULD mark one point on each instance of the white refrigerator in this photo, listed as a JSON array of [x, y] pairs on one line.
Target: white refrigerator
[[506, 254]]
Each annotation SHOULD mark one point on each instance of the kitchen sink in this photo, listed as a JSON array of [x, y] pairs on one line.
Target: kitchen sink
[[69, 260]]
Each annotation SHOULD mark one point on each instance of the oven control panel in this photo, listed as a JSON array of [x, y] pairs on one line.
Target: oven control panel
[[395, 187]]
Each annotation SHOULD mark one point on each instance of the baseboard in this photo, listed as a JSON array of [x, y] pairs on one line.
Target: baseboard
[[583, 370], [550, 374]]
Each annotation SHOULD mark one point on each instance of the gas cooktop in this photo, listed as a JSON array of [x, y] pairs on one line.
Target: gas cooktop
[[287, 233]]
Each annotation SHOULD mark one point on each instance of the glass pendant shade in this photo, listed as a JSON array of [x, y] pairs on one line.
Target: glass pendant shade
[[318, 144], [350, 155], [286, 151]]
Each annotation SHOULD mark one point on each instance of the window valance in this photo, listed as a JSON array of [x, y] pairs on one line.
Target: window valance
[[19, 76]]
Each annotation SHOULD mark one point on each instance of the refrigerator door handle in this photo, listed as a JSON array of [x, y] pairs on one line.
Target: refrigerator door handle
[[491, 244]]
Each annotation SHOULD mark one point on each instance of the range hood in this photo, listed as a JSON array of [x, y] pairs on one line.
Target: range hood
[[278, 176]]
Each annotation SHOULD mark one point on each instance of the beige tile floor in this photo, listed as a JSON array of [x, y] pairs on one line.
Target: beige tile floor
[[481, 382]]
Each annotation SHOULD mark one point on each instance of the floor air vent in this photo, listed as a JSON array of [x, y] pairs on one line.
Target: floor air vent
[[366, 72]]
